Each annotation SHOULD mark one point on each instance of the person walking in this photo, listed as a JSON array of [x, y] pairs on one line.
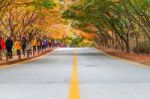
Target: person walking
[[53, 43], [2, 48], [18, 47], [34, 44], [50, 45], [44, 44], [9, 46], [24, 45], [29, 50], [39, 45]]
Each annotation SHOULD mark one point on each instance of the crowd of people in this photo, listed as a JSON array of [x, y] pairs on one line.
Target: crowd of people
[[24, 47]]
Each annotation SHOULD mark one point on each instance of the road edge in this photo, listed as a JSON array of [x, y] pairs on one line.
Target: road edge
[[124, 60], [25, 60]]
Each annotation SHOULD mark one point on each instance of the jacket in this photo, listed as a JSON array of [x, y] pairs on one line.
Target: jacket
[[34, 43], [2, 44], [17, 45], [9, 43]]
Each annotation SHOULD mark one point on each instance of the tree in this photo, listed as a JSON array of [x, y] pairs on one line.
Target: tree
[[114, 22]]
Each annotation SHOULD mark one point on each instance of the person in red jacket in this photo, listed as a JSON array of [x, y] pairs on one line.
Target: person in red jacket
[[2, 47]]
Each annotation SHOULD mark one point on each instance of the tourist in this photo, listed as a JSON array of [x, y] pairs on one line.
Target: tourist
[[34, 45], [9, 46], [18, 47], [2, 48], [24, 45]]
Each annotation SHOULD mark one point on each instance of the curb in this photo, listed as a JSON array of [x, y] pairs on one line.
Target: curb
[[7, 64], [124, 60]]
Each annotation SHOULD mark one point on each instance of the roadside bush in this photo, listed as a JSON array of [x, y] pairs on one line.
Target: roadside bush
[[144, 48]]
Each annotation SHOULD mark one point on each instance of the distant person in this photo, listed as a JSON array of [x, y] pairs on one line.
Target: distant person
[[24, 45], [2, 48], [18, 47], [52, 43], [44, 43], [34, 45], [39, 45], [47, 43], [29, 49], [56, 43], [9, 45]]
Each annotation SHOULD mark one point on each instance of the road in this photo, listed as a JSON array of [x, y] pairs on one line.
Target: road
[[75, 73]]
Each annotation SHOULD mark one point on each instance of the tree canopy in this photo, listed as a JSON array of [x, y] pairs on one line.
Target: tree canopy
[[120, 24]]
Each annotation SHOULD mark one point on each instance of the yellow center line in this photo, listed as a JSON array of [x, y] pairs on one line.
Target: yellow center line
[[74, 88]]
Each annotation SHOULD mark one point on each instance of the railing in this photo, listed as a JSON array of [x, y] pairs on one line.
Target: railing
[[28, 54]]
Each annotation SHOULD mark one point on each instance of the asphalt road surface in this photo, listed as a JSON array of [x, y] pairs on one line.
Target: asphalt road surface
[[75, 73]]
